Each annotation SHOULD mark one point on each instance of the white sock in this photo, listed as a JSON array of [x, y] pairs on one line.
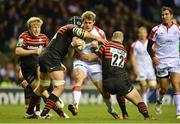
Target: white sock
[[177, 102], [144, 97], [109, 105], [76, 97]]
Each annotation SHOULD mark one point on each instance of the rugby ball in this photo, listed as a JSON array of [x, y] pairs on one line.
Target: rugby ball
[[82, 46]]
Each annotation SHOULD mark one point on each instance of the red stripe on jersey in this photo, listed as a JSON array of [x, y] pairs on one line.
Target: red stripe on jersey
[[153, 31], [132, 48], [101, 32], [108, 57], [41, 39]]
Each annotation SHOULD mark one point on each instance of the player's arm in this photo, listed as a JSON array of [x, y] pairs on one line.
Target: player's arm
[[23, 52], [151, 52], [85, 34], [150, 48], [134, 63]]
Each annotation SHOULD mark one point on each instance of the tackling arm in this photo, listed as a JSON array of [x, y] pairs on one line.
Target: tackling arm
[[85, 34]]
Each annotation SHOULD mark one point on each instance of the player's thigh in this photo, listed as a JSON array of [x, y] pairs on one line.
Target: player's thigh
[[175, 80], [152, 84], [29, 73], [134, 96], [79, 74]]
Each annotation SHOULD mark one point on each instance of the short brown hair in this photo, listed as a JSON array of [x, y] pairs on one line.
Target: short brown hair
[[164, 8], [89, 15]]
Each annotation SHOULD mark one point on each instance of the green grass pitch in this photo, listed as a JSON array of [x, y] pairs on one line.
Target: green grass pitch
[[89, 114]]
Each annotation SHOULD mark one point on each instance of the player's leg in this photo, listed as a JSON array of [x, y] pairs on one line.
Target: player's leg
[[164, 83], [143, 91], [122, 104], [97, 80], [175, 80], [58, 83], [152, 86], [59, 104], [136, 99], [79, 74]]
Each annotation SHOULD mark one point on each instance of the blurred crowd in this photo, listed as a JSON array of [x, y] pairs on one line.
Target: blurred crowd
[[124, 15]]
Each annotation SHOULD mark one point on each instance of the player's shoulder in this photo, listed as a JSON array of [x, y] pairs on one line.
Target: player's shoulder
[[156, 27], [24, 34], [134, 43], [177, 25], [98, 29]]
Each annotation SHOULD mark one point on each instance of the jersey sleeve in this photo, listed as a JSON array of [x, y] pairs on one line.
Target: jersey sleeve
[[132, 49], [78, 32], [100, 51], [153, 34], [21, 41]]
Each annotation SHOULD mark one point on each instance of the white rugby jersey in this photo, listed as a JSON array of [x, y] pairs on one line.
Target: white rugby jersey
[[139, 50], [167, 41], [95, 31]]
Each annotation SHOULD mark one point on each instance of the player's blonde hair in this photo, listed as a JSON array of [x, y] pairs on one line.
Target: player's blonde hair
[[118, 36], [142, 28], [34, 21], [89, 15]]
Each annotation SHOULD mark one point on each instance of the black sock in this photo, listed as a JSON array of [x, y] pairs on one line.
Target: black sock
[[33, 101]]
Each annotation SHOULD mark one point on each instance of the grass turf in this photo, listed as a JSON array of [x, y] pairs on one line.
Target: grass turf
[[89, 114]]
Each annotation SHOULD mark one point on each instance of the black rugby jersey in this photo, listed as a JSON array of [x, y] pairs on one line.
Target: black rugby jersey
[[28, 42], [113, 56], [61, 41]]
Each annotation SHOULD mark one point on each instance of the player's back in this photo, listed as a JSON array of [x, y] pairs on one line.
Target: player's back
[[113, 57], [60, 43]]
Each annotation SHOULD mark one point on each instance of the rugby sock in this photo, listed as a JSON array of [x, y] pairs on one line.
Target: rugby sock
[[50, 103], [33, 101], [109, 105], [144, 97], [76, 92], [143, 109], [122, 103], [177, 102], [57, 110], [38, 105]]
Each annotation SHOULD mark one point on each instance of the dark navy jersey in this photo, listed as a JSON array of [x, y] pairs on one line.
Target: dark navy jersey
[[28, 42], [113, 56]]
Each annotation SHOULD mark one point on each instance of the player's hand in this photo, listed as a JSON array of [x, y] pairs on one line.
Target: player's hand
[[38, 51], [64, 68], [103, 41], [155, 60], [94, 44], [76, 42]]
